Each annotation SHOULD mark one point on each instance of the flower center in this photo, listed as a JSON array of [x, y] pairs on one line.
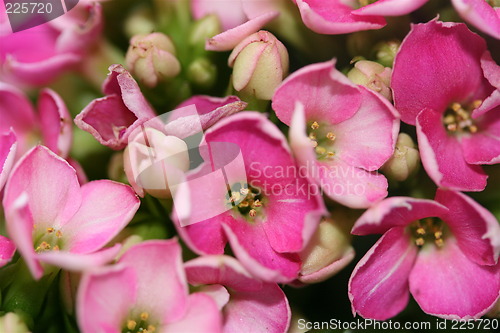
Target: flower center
[[457, 118], [493, 3], [245, 199], [139, 325], [322, 139], [363, 3], [427, 231], [50, 240]]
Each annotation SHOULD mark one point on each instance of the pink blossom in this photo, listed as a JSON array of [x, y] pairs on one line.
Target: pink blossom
[[443, 252], [8, 147], [484, 15], [444, 82], [248, 305], [340, 133], [111, 119], [7, 250], [60, 45], [52, 220], [345, 16], [145, 291], [267, 210]]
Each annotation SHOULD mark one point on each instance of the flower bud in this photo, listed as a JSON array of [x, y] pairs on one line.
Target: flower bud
[[202, 73], [372, 75], [12, 323], [152, 160], [405, 160], [204, 28], [328, 251], [386, 52], [151, 58], [260, 62]]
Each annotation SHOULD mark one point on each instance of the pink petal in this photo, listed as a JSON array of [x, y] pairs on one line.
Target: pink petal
[[160, 277], [335, 17], [445, 283], [326, 94], [106, 209], [202, 315], [50, 184], [230, 13], [218, 293], [8, 148], [330, 270], [105, 298], [477, 231], [396, 212], [56, 123], [423, 78], [378, 287], [227, 40], [390, 7], [480, 14], [266, 310], [443, 158], [79, 262], [7, 250], [224, 270], [113, 118], [249, 244], [491, 69]]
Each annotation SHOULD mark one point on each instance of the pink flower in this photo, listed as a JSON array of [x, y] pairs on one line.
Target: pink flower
[[52, 220], [484, 15], [145, 290], [444, 252], [248, 305], [444, 82], [112, 118], [8, 147], [51, 124], [345, 16], [340, 133], [7, 250], [60, 45], [266, 209]]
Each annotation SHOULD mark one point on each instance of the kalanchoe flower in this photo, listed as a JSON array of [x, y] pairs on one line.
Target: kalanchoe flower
[[52, 220], [248, 305], [7, 250], [340, 133], [444, 252], [112, 118], [345, 16], [372, 75], [146, 291], [151, 58], [8, 147], [451, 97], [482, 14], [269, 211], [60, 45], [260, 63]]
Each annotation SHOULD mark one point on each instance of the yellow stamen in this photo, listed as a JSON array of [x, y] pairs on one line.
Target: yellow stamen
[[314, 144], [151, 328], [315, 125], [312, 136], [131, 324], [252, 213], [419, 241], [330, 154], [331, 136], [58, 234], [477, 103], [438, 234], [257, 203], [50, 230], [456, 107], [421, 231], [439, 242], [144, 316], [320, 150]]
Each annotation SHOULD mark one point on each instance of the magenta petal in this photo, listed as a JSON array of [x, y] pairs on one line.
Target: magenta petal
[[423, 78], [251, 247], [445, 283], [477, 231], [56, 123], [106, 209], [218, 293], [335, 17], [480, 14], [161, 277], [8, 148], [442, 156], [390, 7], [396, 212], [227, 40], [79, 262], [202, 315], [7, 250], [51, 186], [378, 288], [105, 298], [266, 310]]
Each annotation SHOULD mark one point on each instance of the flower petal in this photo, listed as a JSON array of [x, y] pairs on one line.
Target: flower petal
[[202, 315], [480, 14], [443, 158], [79, 262], [378, 287], [7, 250], [445, 283], [8, 148], [390, 7], [229, 13]]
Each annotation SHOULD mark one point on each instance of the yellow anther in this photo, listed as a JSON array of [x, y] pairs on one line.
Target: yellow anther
[[439, 242], [452, 127], [252, 213], [477, 103], [331, 136], [421, 231], [312, 136], [419, 241], [473, 128], [131, 324], [314, 144], [320, 150], [50, 230], [456, 107], [243, 204], [449, 119], [330, 154], [151, 328], [55, 248], [315, 125], [257, 203], [58, 234], [438, 234], [144, 316]]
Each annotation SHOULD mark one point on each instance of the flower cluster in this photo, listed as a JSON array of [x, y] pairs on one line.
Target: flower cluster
[[153, 181]]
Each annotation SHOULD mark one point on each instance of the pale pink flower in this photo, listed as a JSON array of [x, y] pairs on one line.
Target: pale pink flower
[[482, 14], [443, 252], [52, 220], [8, 147]]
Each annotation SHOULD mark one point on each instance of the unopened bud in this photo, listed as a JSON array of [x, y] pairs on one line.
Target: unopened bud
[[386, 52], [204, 28], [151, 58], [202, 72], [260, 63], [12, 323], [372, 75], [141, 21], [405, 160]]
